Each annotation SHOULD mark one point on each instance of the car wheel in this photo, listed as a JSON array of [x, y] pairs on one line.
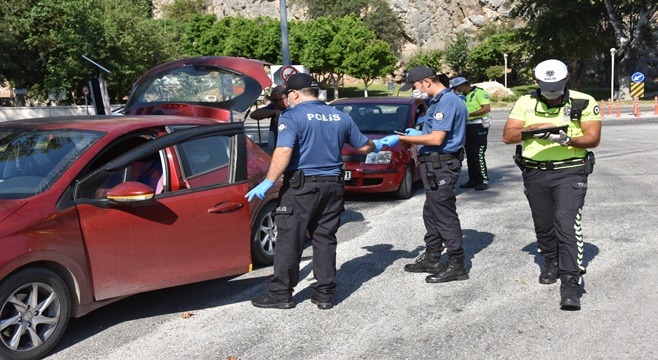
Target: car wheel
[[34, 310], [406, 186], [263, 236]]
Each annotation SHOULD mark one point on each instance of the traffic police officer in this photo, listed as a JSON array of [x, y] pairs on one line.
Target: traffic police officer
[[308, 154], [440, 154], [555, 166], [477, 129]]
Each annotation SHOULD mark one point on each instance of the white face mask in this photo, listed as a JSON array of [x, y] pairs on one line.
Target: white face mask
[[418, 95], [552, 95]]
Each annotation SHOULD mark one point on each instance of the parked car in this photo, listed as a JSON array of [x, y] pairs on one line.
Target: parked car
[[394, 169], [93, 209], [221, 88]]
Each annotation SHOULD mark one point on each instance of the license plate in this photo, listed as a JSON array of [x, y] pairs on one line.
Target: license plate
[[348, 176]]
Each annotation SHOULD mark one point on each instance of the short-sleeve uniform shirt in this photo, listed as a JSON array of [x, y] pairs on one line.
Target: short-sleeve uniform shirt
[[531, 110], [447, 112], [475, 99], [316, 133]]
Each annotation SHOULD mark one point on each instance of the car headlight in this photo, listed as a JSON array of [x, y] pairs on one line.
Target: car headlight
[[382, 157]]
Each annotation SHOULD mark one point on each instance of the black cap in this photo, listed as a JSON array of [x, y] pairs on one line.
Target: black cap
[[300, 81], [417, 73]]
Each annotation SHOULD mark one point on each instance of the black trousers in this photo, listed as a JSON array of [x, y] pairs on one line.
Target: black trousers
[[476, 146], [440, 210], [315, 208], [556, 199]]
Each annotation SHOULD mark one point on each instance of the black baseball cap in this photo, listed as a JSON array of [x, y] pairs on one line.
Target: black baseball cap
[[417, 73], [300, 81]]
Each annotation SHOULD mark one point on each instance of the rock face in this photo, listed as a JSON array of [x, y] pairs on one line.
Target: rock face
[[430, 24]]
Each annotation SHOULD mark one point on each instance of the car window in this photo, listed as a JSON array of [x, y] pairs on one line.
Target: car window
[[205, 160], [31, 160], [377, 118]]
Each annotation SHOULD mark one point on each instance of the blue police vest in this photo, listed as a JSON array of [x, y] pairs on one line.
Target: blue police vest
[[447, 112], [317, 132]]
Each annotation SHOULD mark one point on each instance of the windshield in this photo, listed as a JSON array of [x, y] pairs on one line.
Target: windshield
[[32, 160], [197, 84], [377, 118]]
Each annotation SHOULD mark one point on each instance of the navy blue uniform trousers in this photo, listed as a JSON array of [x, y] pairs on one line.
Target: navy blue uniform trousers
[[316, 208], [440, 210]]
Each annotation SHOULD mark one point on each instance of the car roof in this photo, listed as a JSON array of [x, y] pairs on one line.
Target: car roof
[[376, 100], [105, 123]]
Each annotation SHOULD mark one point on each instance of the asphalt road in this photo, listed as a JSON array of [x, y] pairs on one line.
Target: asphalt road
[[501, 312]]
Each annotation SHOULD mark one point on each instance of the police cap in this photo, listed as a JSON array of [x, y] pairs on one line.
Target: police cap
[[300, 81], [551, 75], [457, 81], [417, 73]]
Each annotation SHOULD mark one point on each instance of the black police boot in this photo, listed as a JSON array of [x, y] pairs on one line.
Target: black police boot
[[549, 271], [569, 293], [456, 270], [268, 301], [321, 304], [425, 263]]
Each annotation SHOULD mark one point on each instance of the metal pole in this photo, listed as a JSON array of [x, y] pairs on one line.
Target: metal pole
[[505, 57], [285, 48], [612, 74]]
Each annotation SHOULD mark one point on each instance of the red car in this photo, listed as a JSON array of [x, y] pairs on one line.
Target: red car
[[93, 209], [394, 169]]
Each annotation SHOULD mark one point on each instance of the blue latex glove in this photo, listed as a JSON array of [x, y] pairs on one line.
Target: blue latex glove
[[390, 140], [378, 146], [412, 132], [260, 190]]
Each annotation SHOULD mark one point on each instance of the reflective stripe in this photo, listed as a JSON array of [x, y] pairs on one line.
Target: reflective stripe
[[471, 122]]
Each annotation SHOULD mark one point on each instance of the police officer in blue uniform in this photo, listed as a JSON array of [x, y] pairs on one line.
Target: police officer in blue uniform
[[308, 155], [440, 153]]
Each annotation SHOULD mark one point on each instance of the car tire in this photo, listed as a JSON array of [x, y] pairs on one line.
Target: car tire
[[36, 303], [406, 185], [263, 236]]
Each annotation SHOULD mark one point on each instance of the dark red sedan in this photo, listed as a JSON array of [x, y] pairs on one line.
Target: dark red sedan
[[394, 169], [93, 209]]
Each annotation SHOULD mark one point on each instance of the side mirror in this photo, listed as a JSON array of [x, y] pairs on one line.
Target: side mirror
[[130, 192]]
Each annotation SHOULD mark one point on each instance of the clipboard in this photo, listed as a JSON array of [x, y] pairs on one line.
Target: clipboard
[[528, 134]]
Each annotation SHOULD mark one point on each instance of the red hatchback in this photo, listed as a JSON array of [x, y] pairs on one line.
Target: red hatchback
[[93, 209], [394, 169]]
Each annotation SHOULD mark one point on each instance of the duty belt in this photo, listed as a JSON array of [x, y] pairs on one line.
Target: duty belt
[[474, 121], [313, 178], [431, 157], [552, 165]]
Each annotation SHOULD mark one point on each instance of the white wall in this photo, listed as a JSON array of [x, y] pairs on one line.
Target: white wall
[[17, 113]]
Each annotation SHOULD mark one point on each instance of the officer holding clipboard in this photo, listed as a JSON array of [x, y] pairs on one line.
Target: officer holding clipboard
[[556, 126]]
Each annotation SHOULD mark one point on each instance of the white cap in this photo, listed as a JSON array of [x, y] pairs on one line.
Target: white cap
[[551, 75]]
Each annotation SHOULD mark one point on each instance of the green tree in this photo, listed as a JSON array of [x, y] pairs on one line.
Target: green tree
[[456, 53], [486, 59], [432, 58], [183, 10], [369, 60]]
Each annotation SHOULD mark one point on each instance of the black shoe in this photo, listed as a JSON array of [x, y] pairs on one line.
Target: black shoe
[[268, 302], [456, 270], [467, 185], [425, 263], [322, 305], [569, 293], [549, 271], [481, 186]]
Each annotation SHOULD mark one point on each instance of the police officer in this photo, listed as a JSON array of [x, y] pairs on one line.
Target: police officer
[[278, 103], [308, 155], [440, 154], [555, 166], [477, 129]]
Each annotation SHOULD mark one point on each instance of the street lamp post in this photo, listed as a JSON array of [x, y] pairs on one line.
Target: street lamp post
[[505, 69], [612, 74]]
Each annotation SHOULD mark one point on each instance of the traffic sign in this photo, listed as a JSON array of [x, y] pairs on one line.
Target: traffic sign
[[637, 90], [288, 71], [638, 77]]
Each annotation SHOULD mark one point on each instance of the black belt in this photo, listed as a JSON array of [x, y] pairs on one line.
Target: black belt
[[552, 165], [431, 157], [313, 178]]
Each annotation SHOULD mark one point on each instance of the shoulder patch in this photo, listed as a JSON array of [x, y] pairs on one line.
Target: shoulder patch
[[486, 95], [281, 127], [438, 116], [596, 110]]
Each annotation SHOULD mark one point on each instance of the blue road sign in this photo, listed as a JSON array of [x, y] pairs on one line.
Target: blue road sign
[[637, 77]]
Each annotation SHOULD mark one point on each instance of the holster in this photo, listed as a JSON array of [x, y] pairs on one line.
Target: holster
[[436, 161], [589, 162], [297, 179], [431, 178], [518, 159]]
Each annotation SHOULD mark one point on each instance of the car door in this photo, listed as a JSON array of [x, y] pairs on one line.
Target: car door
[[194, 232]]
